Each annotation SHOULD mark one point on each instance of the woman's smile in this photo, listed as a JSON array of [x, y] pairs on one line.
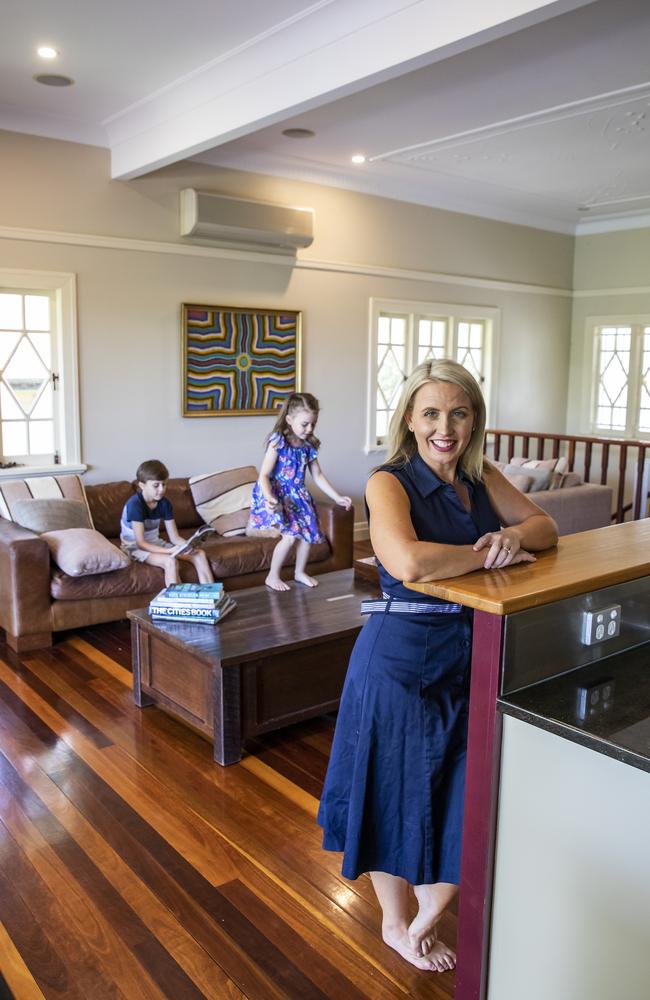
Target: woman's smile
[[442, 420]]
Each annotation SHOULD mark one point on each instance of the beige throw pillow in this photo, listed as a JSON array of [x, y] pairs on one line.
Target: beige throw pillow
[[50, 514], [84, 552], [223, 499], [522, 482], [66, 487], [541, 478]]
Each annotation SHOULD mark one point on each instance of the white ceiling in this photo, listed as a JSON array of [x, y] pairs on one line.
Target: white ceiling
[[529, 111]]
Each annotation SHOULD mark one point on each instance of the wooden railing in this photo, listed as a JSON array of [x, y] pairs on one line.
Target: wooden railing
[[614, 468]]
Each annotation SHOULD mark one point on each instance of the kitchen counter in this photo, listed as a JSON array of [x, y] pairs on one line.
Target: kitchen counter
[[579, 563], [617, 725]]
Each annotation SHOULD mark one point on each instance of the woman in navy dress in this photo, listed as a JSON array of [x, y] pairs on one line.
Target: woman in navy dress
[[393, 795]]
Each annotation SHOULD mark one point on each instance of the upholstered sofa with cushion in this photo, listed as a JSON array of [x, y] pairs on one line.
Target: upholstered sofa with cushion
[[37, 598], [574, 505]]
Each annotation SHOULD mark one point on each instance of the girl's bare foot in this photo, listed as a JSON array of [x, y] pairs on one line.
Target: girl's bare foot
[[308, 581], [275, 583], [397, 938]]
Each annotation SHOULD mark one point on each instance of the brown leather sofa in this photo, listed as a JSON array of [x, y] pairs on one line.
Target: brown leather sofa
[[38, 599]]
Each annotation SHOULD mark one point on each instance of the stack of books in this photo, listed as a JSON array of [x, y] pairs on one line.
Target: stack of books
[[207, 603]]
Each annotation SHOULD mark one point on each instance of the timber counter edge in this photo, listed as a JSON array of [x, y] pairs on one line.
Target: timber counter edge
[[586, 561]]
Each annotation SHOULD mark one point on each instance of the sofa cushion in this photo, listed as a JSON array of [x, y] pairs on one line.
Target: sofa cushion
[[41, 488], [50, 514], [223, 499], [136, 578], [521, 481], [541, 478], [106, 502], [84, 552], [238, 555]]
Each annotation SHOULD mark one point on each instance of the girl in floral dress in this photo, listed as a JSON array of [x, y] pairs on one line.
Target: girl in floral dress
[[281, 501]]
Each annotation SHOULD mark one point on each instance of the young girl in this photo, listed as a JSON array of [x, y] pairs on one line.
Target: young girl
[[281, 500]]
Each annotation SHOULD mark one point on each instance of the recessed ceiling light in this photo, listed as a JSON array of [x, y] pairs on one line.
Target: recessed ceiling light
[[298, 133], [47, 52], [358, 158], [54, 80]]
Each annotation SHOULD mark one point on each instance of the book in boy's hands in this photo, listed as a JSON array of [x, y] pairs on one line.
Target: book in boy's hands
[[196, 540]]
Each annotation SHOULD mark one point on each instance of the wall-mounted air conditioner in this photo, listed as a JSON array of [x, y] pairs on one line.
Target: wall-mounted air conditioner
[[245, 225]]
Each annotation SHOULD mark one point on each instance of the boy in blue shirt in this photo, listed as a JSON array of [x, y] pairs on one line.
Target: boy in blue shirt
[[140, 527]]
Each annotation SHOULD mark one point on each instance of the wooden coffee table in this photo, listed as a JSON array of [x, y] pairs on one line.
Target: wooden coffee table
[[277, 658]]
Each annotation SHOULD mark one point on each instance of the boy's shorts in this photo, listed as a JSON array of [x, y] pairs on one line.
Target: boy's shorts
[[141, 555]]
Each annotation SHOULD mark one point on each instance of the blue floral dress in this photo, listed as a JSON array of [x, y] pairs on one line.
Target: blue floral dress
[[295, 514]]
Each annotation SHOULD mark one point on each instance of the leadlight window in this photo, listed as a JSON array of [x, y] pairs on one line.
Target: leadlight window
[[27, 377], [622, 379], [402, 338]]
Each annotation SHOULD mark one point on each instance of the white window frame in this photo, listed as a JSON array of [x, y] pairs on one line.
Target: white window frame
[[63, 289], [452, 313], [594, 324]]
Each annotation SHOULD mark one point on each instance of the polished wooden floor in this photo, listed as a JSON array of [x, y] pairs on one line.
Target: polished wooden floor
[[133, 866]]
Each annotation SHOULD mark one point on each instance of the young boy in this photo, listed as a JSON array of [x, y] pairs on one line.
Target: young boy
[[140, 526]]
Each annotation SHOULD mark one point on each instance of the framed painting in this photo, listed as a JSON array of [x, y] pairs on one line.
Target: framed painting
[[238, 361]]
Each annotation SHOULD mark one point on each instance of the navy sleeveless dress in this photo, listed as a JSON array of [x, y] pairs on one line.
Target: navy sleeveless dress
[[393, 794]]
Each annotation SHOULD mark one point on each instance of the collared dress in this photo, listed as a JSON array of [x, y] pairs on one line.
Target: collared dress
[[393, 794]]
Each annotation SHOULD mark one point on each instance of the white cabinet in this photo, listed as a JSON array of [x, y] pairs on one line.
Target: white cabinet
[[571, 909]]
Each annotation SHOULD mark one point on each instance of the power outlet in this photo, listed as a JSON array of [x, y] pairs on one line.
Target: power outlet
[[600, 625], [595, 699]]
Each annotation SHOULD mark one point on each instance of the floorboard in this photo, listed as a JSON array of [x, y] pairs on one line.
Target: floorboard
[[132, 866]]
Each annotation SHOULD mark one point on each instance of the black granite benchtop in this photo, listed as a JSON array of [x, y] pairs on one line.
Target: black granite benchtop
[[604, 706]]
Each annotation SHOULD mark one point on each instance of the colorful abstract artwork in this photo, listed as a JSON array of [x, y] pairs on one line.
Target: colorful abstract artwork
[[238, 361]]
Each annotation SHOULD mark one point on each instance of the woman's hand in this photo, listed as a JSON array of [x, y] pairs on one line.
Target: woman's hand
[[344, 502], [271, 502], [503, 549]]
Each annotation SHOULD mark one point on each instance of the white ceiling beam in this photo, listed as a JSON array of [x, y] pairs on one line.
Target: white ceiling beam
[[338, 48]]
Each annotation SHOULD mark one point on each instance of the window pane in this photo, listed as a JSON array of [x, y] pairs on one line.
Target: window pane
[[9, 408], [383, 330], [382, 423], [424, 333], [476, 335], [433, 333], [613, 376], [41, 437], [43, 344], [7, 343], [37, 312], [14, 438], [43, 408], [463, 335], [25, 373], [469, 349], [11, 311], [397, 330], [644, 402]]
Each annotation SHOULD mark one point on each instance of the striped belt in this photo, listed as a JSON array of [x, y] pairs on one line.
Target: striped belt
[[392, 605]]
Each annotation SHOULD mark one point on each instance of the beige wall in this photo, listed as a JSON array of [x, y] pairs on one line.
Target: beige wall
[[128, 301], [611, 279]]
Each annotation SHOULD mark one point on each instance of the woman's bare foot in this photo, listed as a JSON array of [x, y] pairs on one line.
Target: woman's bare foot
[[397, 938], [441, 955], [275, 583], [309, 581]]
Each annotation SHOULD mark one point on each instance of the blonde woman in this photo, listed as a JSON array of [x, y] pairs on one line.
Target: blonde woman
[[393, 795]]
